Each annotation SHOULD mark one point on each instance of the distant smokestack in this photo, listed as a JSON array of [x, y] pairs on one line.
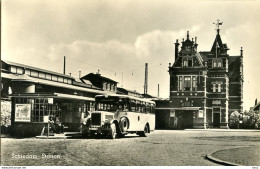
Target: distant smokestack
[[64, 66], [158, 90]]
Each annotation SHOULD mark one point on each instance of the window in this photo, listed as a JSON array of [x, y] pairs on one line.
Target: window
[[112, 87], [214, 87], [190, 62], [28, 72], [138, 106], [13, 69], [65, 80], [60, 79], [69, 81], [194, 83], [214, 63], [34, 74], [133, 105], [48, 76], [19, 70], [187, 83], [180, 84], [42, 75], [54, 78], [185, 62], [219, 62], [219, 87]]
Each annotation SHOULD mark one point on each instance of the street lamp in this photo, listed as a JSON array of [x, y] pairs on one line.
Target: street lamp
[[240, 119]]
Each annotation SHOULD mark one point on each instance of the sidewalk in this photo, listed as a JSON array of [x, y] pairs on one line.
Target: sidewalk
[[245, 156], [229, 130]]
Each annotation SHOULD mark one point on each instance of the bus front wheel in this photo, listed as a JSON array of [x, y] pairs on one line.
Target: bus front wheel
[[112, 133], [145, 132]]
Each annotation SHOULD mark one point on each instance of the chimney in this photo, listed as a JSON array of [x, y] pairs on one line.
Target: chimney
[[176, 49], [195, 45], [255, 101], [79, 74], [241, 52]]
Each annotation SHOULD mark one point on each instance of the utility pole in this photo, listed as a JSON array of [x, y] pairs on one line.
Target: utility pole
[[146, 79]]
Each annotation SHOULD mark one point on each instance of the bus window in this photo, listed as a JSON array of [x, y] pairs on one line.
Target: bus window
[[153, 109], [120, 105], [138, 106], [143, 107], [148, 108], [126, 104], [133, 105]]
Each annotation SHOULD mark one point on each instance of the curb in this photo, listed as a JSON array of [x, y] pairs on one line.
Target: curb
[[215, 160]]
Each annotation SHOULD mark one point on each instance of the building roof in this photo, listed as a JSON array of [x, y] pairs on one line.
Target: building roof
[[127, 90], [35, 68], [219, 45], [234, 67], [90, 75], [256, 106], [58, 84]]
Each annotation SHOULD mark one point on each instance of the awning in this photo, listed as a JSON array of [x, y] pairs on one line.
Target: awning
[[178, 108], [53, 95]]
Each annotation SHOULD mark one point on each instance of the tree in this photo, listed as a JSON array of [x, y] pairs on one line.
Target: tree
[[234, 119]]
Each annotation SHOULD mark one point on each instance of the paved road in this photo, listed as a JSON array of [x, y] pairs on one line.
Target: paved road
[[162, 147]]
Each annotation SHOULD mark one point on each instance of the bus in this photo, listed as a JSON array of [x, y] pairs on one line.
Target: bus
[[117, 115]]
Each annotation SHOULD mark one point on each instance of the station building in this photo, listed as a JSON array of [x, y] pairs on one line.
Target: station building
[[205, 87], [35, 94]]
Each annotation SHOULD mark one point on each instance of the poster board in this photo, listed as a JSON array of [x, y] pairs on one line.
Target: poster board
[[22, 113], [201, 113]]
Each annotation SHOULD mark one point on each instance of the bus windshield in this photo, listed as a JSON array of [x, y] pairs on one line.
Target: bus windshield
[[108, 106], [111, 104]]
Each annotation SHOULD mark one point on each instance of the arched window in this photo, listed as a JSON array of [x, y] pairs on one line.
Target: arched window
[[185, 62], [190, 62], [214, 63], [220, 64]]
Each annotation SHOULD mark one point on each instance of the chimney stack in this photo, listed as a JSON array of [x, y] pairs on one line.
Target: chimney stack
[[255, 101], [79, 74], [176, 49]]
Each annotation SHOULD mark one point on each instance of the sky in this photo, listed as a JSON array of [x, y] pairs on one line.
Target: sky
[[118, 37]]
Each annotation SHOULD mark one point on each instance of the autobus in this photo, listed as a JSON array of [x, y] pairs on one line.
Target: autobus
[[118, 115]]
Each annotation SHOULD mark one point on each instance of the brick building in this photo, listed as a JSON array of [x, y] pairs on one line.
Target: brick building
[[205, 87]]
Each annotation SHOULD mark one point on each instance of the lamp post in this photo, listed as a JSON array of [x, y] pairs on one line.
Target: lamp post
[[240, 120]]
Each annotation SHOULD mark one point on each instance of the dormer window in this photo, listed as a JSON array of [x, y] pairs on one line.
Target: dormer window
[[190, 62], [185, 62], [220, 63], [214, 63]]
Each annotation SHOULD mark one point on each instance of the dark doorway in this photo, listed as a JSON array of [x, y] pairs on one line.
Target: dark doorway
[[187, 119], [216, 120]]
